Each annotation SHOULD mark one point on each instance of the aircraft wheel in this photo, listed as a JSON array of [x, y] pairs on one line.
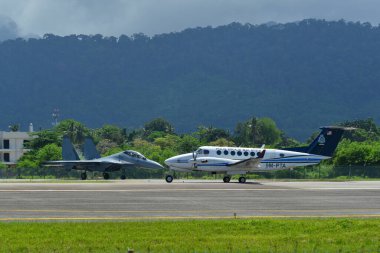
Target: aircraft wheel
[[169, 178], [226, 179], [242, 180], [83, 176], [106, 175], [123, 177]]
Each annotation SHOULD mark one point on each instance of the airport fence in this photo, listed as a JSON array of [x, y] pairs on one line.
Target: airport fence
[[310, 172], [59, 173]]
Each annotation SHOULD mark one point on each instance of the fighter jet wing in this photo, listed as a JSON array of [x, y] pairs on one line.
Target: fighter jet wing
[[87, 163], [250, 163]]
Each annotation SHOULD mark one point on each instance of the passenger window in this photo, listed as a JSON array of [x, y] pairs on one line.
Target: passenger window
[[239, 153], [252, 153], [245, 153], [282, 155], [218, 152], [206, 152], [233, 152], [225, 152]]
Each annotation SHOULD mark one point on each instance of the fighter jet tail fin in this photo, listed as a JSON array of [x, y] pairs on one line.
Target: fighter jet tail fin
[[89, 149], [68, 150]]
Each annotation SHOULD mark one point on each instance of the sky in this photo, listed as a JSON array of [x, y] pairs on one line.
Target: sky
[[33, 18]]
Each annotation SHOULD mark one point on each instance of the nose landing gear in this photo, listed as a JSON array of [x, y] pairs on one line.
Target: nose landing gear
[[169, 178], [106, 175], [83, 176]]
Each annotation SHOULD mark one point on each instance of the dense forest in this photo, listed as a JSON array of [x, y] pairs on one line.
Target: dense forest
[[358, 154], [302, 74]]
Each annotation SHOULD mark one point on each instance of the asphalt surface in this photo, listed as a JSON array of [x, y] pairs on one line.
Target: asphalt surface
[[155, 199]]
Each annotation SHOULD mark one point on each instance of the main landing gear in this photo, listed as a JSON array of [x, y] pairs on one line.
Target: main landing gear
[[83, 176], [169, 178], [227, 179], [123, 177], [106, 175], [242, 180]]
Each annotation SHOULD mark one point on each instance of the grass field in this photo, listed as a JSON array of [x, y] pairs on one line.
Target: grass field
[[258, 235]]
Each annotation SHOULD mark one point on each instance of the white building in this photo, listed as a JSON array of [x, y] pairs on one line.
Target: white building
[[12, 146]]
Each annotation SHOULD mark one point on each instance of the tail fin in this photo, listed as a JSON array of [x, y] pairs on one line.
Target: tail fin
[[68, 150], [89, 149], [325, 143]]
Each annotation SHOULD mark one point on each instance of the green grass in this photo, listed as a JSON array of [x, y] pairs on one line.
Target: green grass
[[257, 235]]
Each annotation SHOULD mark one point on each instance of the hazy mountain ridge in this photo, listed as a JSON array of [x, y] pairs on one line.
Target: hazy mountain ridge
[[303, 75]]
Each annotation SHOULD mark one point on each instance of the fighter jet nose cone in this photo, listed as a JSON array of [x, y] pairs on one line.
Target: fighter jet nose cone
[[156, 165]]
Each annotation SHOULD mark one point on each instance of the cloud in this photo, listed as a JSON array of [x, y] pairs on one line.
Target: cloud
[[115, 17], [8, 28]]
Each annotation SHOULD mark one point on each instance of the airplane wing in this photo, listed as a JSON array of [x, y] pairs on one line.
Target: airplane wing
[[84, 163], [250, 163]]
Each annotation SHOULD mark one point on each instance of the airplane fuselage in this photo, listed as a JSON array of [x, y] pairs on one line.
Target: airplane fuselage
[[219, 159]]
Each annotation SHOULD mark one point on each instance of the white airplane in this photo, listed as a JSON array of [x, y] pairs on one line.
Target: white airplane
[[239, 160]]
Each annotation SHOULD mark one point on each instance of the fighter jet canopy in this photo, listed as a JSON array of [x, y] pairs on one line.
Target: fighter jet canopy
[[134, 154]]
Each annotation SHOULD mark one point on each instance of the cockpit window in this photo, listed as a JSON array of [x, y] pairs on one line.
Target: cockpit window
[[203, 151], [134, 154]]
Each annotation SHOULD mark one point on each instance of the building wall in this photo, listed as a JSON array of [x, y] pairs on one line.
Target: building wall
[[16, 146]]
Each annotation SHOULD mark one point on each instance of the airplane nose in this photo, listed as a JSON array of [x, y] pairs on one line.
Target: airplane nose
[[168, 161]]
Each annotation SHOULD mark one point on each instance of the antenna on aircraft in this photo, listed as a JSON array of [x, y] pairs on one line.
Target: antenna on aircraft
[[55, 116]]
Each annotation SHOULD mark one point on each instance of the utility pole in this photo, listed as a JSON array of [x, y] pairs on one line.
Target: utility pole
[[55, 116]]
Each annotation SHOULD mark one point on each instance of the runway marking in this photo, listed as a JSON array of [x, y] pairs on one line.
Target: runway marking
[[189, 211], [187, 189], [122, 218]]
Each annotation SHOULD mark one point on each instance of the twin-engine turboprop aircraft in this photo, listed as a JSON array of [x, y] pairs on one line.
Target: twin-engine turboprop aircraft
[[120, 161], [237, 160]]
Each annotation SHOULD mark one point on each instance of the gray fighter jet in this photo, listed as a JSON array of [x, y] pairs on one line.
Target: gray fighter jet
[[93, 162]]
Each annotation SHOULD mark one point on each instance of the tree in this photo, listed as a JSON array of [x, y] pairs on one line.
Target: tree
[[50, 152], [257, 131], [159, 125], [209, 134], [111, 133], [14, 127], [357, 153], [367, 130], [42, 138], [105, 145], [188, 143], [73, 129], [222, 142]]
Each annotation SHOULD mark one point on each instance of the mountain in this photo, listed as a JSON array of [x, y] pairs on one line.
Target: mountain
[[303, 75]]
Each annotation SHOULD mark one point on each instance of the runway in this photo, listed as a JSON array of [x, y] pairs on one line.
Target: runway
[[189, 199]]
